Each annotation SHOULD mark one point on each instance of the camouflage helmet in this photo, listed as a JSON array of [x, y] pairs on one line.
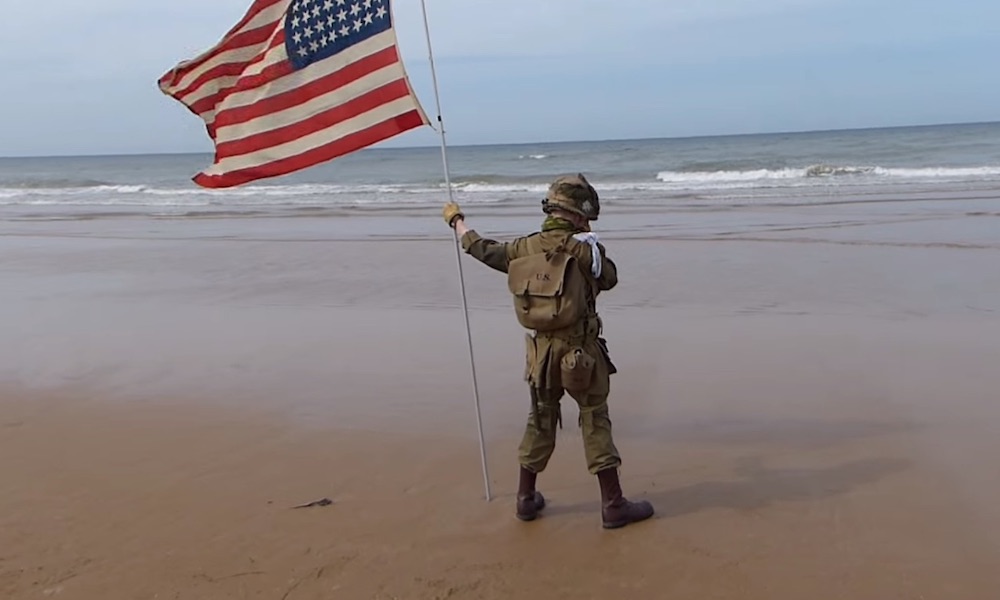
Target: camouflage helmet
[[573, 193]]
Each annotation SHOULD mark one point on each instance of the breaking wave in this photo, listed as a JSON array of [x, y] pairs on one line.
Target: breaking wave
[[480, 188], [260, 195]]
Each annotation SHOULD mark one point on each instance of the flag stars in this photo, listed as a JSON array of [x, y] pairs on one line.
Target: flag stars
[[316, 28]]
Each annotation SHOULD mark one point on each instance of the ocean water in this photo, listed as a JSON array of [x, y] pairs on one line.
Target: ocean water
[[768, 169]]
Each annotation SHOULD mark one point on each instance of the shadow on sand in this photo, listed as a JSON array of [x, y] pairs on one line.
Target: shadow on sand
[[757, 487]]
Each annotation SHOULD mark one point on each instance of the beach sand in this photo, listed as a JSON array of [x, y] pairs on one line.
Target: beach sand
[[807, 395]]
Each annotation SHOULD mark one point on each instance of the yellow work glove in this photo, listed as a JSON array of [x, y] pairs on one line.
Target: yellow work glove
[[451, 212]]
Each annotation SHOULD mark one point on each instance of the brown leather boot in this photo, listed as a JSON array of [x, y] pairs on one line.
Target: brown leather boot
[[529, 501], [616, 511]]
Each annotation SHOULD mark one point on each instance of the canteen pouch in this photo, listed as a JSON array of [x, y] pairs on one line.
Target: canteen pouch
[[577, 370]]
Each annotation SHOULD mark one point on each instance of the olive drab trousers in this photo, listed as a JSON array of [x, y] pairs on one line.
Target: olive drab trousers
[[539, 439]]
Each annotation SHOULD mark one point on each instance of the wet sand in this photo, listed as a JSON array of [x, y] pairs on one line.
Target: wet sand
[[807, 396]]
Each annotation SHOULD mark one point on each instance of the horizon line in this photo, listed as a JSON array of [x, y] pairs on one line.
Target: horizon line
[[535, 143]]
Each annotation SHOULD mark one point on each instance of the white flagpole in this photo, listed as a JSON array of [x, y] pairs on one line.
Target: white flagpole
[[458, 253]]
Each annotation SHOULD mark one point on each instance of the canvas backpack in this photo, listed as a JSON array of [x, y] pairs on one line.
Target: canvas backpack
[[550, 289]]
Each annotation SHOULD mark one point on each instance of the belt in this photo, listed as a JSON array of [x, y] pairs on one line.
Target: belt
[[588, 328]]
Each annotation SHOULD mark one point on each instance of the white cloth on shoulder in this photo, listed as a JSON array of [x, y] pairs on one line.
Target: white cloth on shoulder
[[590, 237]]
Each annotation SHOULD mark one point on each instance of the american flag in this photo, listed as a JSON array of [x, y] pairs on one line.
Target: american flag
[[296, 83]]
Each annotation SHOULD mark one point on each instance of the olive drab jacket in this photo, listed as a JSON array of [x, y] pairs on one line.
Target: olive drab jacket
[[545, 350]]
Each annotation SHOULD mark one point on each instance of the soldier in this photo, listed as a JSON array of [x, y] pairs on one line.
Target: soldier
[[569, 356]]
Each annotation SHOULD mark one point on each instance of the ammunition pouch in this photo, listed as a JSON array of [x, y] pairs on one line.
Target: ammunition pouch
[[577, 370]]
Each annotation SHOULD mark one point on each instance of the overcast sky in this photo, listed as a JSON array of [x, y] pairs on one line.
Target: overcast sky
[[80, 77]]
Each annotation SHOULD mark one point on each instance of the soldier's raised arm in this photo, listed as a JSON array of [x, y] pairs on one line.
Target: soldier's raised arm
[[490, 252]]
